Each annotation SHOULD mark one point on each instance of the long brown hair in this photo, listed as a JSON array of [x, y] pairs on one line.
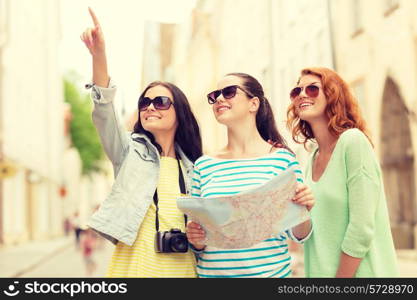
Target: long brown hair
[[342, 108]]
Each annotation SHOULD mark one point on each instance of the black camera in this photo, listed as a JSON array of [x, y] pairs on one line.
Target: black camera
[[171, 241]]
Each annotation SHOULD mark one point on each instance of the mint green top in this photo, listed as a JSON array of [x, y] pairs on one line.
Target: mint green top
[[350, 213]]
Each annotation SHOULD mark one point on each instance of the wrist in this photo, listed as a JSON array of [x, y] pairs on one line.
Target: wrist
[[197, 250], [199, 247], [100, 56]]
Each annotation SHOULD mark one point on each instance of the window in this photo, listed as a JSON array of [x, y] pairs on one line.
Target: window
[[281, 19], [320, 48], [390, 6], [358, 89], [3, 20], [293, 73], [292, 13], [357, 22], [306, 55]]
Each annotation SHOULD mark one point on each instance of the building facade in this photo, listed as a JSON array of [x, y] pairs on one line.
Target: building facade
[[262, 38], [31, 101], [371, 44], [376, 53]]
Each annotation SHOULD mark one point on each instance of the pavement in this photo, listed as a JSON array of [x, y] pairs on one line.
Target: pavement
[[71, 263], [407, 263], [39, 259], [16, 260], [59, 257]]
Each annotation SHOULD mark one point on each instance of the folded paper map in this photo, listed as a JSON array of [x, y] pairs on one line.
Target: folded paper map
[[247, 218]]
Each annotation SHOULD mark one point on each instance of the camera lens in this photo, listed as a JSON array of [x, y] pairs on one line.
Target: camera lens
[[179, 243]]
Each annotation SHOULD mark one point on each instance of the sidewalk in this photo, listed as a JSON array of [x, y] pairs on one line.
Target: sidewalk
[[21, 259], [407, 263], [17, 260]]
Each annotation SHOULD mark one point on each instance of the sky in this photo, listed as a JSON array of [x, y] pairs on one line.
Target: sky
[[122, 22]]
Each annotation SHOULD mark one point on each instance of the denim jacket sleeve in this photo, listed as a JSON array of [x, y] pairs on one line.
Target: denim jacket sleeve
[[114, 137]]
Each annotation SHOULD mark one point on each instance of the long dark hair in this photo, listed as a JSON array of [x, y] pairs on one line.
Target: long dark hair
[[187, 135], [265, 121]]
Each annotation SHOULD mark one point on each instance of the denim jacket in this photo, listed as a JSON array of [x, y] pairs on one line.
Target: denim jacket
[[136, 163]]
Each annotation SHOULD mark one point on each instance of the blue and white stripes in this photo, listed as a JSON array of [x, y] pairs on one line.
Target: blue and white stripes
[[267, 259], [215, 177]]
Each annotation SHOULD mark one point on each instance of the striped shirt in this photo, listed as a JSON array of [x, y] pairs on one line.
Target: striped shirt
[[214, 177], [141, 260]]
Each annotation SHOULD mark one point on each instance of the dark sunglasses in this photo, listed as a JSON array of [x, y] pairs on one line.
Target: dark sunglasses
[[228, 92], [311, 90], [160, 103]]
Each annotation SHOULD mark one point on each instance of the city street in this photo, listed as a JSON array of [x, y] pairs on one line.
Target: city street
[[70, 263], [331, 81]]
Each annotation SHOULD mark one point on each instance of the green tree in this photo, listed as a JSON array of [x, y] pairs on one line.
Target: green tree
[[83, 133]]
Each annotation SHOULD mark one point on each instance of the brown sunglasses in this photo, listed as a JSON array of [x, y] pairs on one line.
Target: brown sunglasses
[[311, 91]]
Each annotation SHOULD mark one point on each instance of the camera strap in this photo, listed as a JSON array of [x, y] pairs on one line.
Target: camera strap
[[182, 189]]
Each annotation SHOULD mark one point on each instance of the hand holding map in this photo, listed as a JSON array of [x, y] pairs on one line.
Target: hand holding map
[[242, 220]]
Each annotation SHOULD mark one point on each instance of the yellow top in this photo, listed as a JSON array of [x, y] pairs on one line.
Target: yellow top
[[140, 259]]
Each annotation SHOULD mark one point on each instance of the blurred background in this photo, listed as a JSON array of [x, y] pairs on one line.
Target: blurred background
[[53, 173]]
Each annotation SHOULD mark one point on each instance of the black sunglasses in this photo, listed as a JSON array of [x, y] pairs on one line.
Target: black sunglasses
[[311, 90], [228, 92], [159, 102]]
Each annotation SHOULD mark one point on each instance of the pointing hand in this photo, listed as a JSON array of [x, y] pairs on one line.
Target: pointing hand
[[93, 38]]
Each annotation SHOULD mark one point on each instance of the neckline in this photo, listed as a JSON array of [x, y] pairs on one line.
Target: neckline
[[328, 163], [250, 158], [168, 157]]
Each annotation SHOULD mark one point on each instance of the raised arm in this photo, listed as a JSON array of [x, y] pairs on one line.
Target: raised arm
[[113, 135], [93, 39]]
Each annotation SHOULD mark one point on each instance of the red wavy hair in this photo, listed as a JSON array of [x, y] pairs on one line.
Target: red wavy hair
[[342, 108]]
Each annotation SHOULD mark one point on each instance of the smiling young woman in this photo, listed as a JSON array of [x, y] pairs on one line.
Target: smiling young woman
[[247, 161], [352, 236], [152, 165]]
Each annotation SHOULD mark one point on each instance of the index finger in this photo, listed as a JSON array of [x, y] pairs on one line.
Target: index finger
[[93, 16]]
